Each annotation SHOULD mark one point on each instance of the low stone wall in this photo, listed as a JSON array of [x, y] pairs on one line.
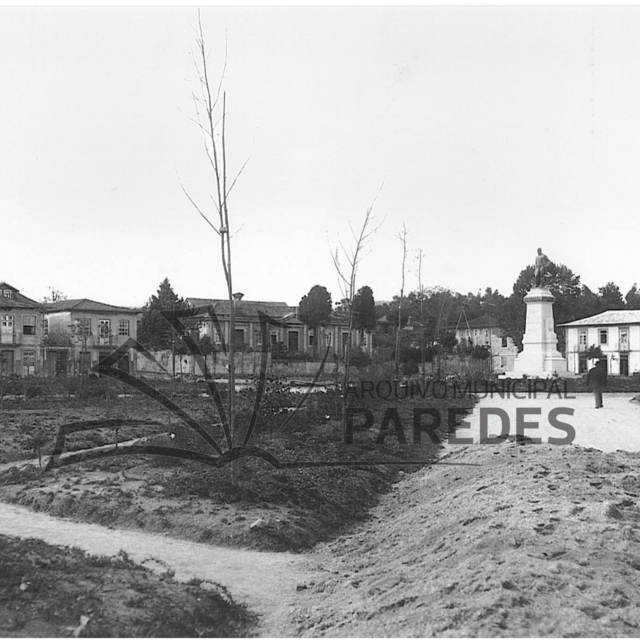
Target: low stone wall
[[247, 364]]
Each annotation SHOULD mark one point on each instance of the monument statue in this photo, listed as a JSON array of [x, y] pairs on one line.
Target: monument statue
[[539, 357], [540, 268]]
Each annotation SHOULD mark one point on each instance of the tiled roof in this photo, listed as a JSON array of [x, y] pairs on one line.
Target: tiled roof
[[17, 300], [245, 307], [483, 322], [617, 316], [84, 304]]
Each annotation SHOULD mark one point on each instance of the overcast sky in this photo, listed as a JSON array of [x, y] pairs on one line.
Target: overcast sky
[[492, 131]]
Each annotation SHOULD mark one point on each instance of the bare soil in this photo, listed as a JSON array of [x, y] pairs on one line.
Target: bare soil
[[535, 541], [48, 591], [281, 510], [289, 509], [503, 540]]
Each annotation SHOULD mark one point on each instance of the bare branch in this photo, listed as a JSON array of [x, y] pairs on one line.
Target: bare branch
[[233, 235], [347, 283], [215, 204], [238, 175], [191, 200]]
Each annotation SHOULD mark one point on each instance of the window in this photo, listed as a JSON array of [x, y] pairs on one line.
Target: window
[[6, 329], [216, 337], [258, 338], [45, 326], [123, 327], [29, 325], [8, 293], [239, 334], [274, 337], [84, 327], [582, 339], [105, 328], [603, 336], [505, 342], [624, 340], [312, 338], [328, 339]]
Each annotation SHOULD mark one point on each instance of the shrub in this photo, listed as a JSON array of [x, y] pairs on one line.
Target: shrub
[[359, 359]]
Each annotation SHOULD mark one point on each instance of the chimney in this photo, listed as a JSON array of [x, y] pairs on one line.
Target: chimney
[[237, 297]]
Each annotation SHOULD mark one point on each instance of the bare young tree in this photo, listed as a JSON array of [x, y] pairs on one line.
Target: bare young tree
[[210, 107], [402, 236], [55, 295], [346, 260], [421, 293]]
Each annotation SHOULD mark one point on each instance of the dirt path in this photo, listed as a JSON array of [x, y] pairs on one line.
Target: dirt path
[[518, 540], [614, 427], [266, 582]]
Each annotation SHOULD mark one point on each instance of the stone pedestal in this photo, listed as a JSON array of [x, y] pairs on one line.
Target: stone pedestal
[[540, 356]]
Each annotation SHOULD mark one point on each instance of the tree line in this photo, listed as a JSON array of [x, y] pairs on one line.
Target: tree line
[[434, 313]]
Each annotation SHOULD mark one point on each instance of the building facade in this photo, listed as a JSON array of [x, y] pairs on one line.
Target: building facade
[[616, 333], [79, 333], [485, 332], [289, 336], [21, 333]]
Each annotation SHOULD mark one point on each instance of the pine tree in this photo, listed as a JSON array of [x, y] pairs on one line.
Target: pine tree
[[315, 311], [364, 309], [155, 332]]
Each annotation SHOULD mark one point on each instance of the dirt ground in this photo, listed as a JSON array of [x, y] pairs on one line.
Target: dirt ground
[[289, 509], [535, 540], [505, 540], [51, 591], [500, 540]]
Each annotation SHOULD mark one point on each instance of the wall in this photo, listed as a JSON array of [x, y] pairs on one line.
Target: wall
[[247, 364]]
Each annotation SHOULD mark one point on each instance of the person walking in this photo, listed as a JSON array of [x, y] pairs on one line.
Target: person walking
[[597, 381]]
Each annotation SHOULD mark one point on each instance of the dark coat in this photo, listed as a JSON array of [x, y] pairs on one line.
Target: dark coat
[[597, 377]]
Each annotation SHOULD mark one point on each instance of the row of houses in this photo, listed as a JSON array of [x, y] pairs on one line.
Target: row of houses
[[71, 336], [63, 337], [616, 333]]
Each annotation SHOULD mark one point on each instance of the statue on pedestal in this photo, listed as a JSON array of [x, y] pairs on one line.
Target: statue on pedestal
[[540, 267], [539, 357]]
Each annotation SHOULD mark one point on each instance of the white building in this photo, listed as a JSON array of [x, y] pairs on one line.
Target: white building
[[617, 333], [485, 332]]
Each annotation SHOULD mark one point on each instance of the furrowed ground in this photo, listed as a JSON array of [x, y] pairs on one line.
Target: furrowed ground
[[287, 509]]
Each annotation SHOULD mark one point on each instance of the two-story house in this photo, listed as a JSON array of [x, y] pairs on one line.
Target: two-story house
[[81, 332], [20, 332], [617, 333], [486, 332]]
